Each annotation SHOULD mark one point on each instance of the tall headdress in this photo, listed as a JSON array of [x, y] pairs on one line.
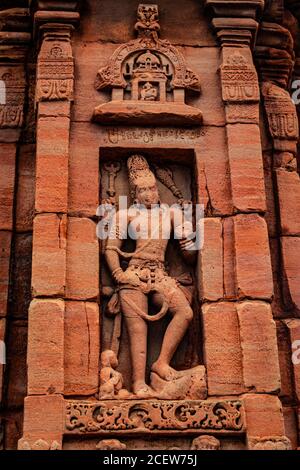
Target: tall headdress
[[139, 174]]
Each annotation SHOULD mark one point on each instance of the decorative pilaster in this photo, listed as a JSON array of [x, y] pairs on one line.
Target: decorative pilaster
[[54, 95], [236, 28]]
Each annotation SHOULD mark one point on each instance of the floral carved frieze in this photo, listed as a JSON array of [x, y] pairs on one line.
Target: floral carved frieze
[[55, 72], [153, 416]]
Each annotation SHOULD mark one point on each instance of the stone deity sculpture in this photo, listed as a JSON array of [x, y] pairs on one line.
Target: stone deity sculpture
[[146, 277]]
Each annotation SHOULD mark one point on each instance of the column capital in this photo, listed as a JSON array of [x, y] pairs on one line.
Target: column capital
[[235, 8]]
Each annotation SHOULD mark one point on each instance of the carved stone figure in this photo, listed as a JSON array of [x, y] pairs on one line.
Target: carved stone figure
[[205, 442], [111, 381], [146, 277], [110, 444]]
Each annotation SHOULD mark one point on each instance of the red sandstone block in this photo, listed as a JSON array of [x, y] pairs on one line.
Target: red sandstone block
[[43, 419], [2, 351], [49, 255], [215, 170], [7, 184], [222, 349], [45, 355], [26, 188], [290, 250], [259, 347], [5, 249], [52, 157], [82, 259], [81, 348], [288, 185], [211, 260], [246, 167], [263, 415], [253, 263], [230, 289], [293, 326]]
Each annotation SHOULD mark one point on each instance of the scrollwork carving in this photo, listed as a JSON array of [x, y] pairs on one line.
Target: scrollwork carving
[[153, 416]]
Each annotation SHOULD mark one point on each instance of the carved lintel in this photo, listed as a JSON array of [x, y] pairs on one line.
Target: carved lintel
[[154, 416], [55, 70], [269, 443]]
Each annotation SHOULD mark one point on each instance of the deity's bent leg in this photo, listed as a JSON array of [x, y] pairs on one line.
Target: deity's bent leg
[[182, 314], [137, 331]]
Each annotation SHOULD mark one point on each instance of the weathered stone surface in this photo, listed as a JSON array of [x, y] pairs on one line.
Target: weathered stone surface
[[290, 425], [21, 276], [2, 351], [246, 167], [46, 347], [190, 385], [52, 164], [7, 184], [230, 289], [211, 261], [288, 186], [81, 346], [43, 419], [285, 362], [49, 255], [259, 347], [5, 250], [82, 256], [13, 429], [253, 264], [26, 188], [290, 250], [293, 326], [264, 415], [216, 171], [16, 368], [222, 349]]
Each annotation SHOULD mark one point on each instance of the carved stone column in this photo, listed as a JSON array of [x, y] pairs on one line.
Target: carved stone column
[[13, 49], [235, 24], [43, 418]]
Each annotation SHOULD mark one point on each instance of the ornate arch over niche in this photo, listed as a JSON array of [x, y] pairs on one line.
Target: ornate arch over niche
[[148, 77]]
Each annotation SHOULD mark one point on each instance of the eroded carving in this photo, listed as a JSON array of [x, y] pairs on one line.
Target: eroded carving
[[40, 444], [110, 444], [111, 381], [153, 416], [205, 443], [282, 117], [269, 443], [11, 112]]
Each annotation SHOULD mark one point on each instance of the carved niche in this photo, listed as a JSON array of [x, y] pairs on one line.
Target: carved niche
[[148, 77]]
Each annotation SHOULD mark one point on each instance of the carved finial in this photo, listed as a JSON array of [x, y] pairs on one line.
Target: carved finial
[[147, 20]]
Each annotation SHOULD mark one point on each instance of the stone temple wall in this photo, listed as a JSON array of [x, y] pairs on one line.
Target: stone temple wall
[[214, 111]]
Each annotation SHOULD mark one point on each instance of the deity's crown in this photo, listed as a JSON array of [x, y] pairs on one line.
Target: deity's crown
[[139, 173]]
